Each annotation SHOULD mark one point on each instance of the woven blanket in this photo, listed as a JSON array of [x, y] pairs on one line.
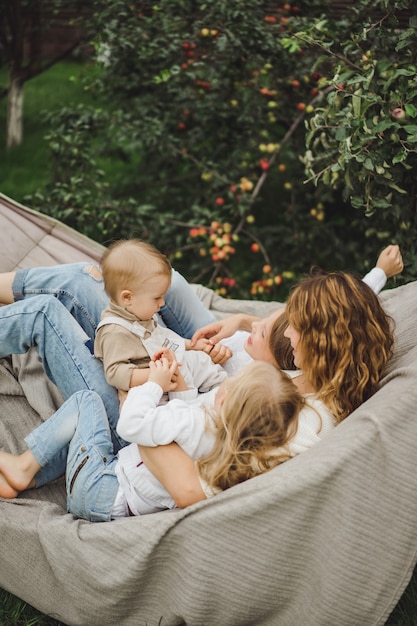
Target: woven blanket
[[328, 538]]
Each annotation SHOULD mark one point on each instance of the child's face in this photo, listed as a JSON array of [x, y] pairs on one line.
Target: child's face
[[257, 344], [149, 298]]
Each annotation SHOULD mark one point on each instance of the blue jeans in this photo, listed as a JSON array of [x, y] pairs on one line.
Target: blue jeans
[[83, 295], [76, 441], [49, 303], [65, 350]]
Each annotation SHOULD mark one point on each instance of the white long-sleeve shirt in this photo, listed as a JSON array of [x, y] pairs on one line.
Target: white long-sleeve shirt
[[144, 421]]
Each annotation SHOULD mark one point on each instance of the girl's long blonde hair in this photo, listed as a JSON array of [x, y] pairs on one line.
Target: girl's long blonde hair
[[346, 338], [258, 418]]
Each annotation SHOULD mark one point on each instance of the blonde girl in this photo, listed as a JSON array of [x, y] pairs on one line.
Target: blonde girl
[[254, 426], [245, 428]]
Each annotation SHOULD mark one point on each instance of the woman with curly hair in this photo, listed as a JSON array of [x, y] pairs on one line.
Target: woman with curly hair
[[341, 338]]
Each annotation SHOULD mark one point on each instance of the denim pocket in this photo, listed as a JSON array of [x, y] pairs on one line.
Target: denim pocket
[[77, 471]]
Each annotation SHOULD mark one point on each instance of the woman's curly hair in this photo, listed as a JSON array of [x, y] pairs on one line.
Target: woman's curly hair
[[258, 418], [346, 338]]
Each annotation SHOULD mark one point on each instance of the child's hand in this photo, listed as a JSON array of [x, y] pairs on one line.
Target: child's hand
[[170, 357], [162, 373], [218, 352], [391, 261], [164, 352]]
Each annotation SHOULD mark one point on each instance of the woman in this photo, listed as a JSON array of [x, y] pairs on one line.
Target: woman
[[341, 340]]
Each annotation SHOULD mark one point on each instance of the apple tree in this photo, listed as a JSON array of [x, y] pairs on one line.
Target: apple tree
[[362, 136], [201, 111]]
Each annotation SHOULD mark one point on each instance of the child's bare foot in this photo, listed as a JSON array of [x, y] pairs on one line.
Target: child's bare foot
[[16, 473], [6, 491]]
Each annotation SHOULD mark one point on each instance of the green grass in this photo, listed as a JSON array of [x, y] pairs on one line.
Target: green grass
[[23, 171], [405, 613], [15, 612]]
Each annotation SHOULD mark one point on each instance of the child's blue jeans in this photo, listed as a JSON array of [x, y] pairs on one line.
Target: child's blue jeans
[[76, 441]]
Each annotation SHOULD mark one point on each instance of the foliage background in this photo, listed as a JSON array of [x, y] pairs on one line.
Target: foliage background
[[142, 149], [207, 114]]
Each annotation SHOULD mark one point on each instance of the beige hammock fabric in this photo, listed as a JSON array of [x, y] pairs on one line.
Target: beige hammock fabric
[[328, 538]]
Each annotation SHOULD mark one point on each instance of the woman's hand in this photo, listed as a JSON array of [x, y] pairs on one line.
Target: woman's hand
[[391, 261], [221, 329], [218, 353]]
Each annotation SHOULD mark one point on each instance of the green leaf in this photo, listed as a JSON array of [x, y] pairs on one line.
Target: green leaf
[[356, 103], [411, 110], [381, 203], [396, 188], [399, 157], [357, 202]]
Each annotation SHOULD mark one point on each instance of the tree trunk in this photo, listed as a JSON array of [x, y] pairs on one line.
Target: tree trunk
[[15, 113]]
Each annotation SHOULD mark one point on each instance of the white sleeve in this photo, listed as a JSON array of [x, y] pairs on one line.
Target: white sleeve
[[375, 279], [199, 371], [186, 396], [142, 421]]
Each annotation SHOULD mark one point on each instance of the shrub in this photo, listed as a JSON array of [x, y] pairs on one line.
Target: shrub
[[204, 132]]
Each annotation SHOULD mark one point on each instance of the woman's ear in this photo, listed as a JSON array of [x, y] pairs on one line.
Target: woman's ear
[[125, 297]]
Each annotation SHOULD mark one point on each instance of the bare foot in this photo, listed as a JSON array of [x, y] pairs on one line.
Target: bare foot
[[6, 491], [15, 473]]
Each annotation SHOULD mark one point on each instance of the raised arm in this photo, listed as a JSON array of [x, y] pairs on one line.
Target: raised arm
[[176, 471], [391, 261]]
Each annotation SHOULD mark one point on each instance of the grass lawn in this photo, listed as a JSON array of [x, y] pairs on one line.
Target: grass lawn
[[23, 170], [15, 612]]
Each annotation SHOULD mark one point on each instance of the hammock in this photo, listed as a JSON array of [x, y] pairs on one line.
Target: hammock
[[327, 538]]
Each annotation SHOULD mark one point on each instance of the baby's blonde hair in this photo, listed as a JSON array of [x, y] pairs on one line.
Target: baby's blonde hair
[[128, 263], [258, 418]]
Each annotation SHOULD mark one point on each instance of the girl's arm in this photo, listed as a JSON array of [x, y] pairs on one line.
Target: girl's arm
[[176, 471], [144, 421]]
